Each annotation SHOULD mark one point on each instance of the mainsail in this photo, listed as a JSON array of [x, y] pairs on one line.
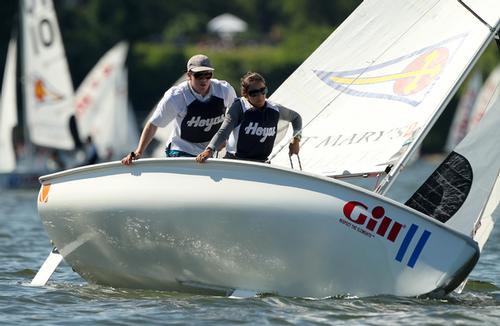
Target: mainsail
[[48, 88], [370, 93], [8, 111]]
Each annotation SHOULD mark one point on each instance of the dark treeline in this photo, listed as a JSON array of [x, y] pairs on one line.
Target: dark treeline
[[164, 34]]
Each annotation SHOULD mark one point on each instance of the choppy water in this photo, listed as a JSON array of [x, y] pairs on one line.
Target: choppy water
[[70, 300]]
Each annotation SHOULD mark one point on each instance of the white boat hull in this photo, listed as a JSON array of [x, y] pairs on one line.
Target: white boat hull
[[173, 224]]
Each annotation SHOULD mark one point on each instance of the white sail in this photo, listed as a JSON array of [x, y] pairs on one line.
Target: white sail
[[125, 124], [374, 101], [480, 148], [48, 88], [101, 94], [132, 137], [489, 216], [460, 123], [8, 111], [488, 92]]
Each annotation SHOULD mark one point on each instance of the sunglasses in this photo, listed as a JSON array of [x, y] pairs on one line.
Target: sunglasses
[[202, 75], [257, 92]]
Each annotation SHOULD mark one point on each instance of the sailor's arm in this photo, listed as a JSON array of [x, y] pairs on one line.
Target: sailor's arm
[[296, 120], [147, 135]]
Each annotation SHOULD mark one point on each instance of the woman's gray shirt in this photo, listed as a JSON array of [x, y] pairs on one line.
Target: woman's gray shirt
[[234, 118]]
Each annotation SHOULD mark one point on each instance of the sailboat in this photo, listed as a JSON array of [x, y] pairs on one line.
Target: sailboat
[[47, 86], [367, 96], [102, 108], [48, 97], [8, 111]]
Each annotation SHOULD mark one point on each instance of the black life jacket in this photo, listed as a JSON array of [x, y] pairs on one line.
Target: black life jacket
[[202, 120], [257, 133]]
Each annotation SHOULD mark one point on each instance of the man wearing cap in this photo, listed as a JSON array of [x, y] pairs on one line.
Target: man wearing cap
[[196, 107]]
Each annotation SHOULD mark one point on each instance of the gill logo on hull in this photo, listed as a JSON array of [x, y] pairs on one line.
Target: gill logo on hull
[[379, 224], [406, 79]]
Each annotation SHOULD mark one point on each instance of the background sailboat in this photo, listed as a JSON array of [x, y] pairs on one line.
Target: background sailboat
[[8, 111], [50, 130], [48, 101], [102, 108], [47, 85], [460, 123], [486, 97]]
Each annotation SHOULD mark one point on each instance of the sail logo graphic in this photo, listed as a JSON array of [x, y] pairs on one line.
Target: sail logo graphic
[[378, 223], [45, 93], [408, 79]]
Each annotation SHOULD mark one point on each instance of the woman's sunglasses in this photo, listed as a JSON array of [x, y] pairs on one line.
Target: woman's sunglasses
[[257, 92], [202, 74]]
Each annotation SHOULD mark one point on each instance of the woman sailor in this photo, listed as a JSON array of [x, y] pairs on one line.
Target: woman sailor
[[251, 124]]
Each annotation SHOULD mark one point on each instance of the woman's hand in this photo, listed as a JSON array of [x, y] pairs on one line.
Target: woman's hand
[[203, 156], [127, 160]]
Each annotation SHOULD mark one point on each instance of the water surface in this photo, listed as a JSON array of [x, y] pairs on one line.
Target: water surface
[[68, 299]]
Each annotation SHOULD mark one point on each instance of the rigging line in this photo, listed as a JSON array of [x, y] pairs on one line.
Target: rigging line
[[476, 15], [359, 75]]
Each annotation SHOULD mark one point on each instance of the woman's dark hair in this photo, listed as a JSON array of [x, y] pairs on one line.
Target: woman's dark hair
[[249, 78]]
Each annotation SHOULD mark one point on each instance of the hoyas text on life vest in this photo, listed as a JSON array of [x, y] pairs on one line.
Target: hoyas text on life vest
[[254, 129]]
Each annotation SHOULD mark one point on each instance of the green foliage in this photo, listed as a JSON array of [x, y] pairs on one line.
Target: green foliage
[[154, 67], [184, 28], [275, 64]]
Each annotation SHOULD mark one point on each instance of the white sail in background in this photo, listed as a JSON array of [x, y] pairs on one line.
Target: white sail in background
[[132, 136], [460, 123], [124, 125], [374, 101], [48, 88], [489, 91], [8, 111], [101, 94]]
